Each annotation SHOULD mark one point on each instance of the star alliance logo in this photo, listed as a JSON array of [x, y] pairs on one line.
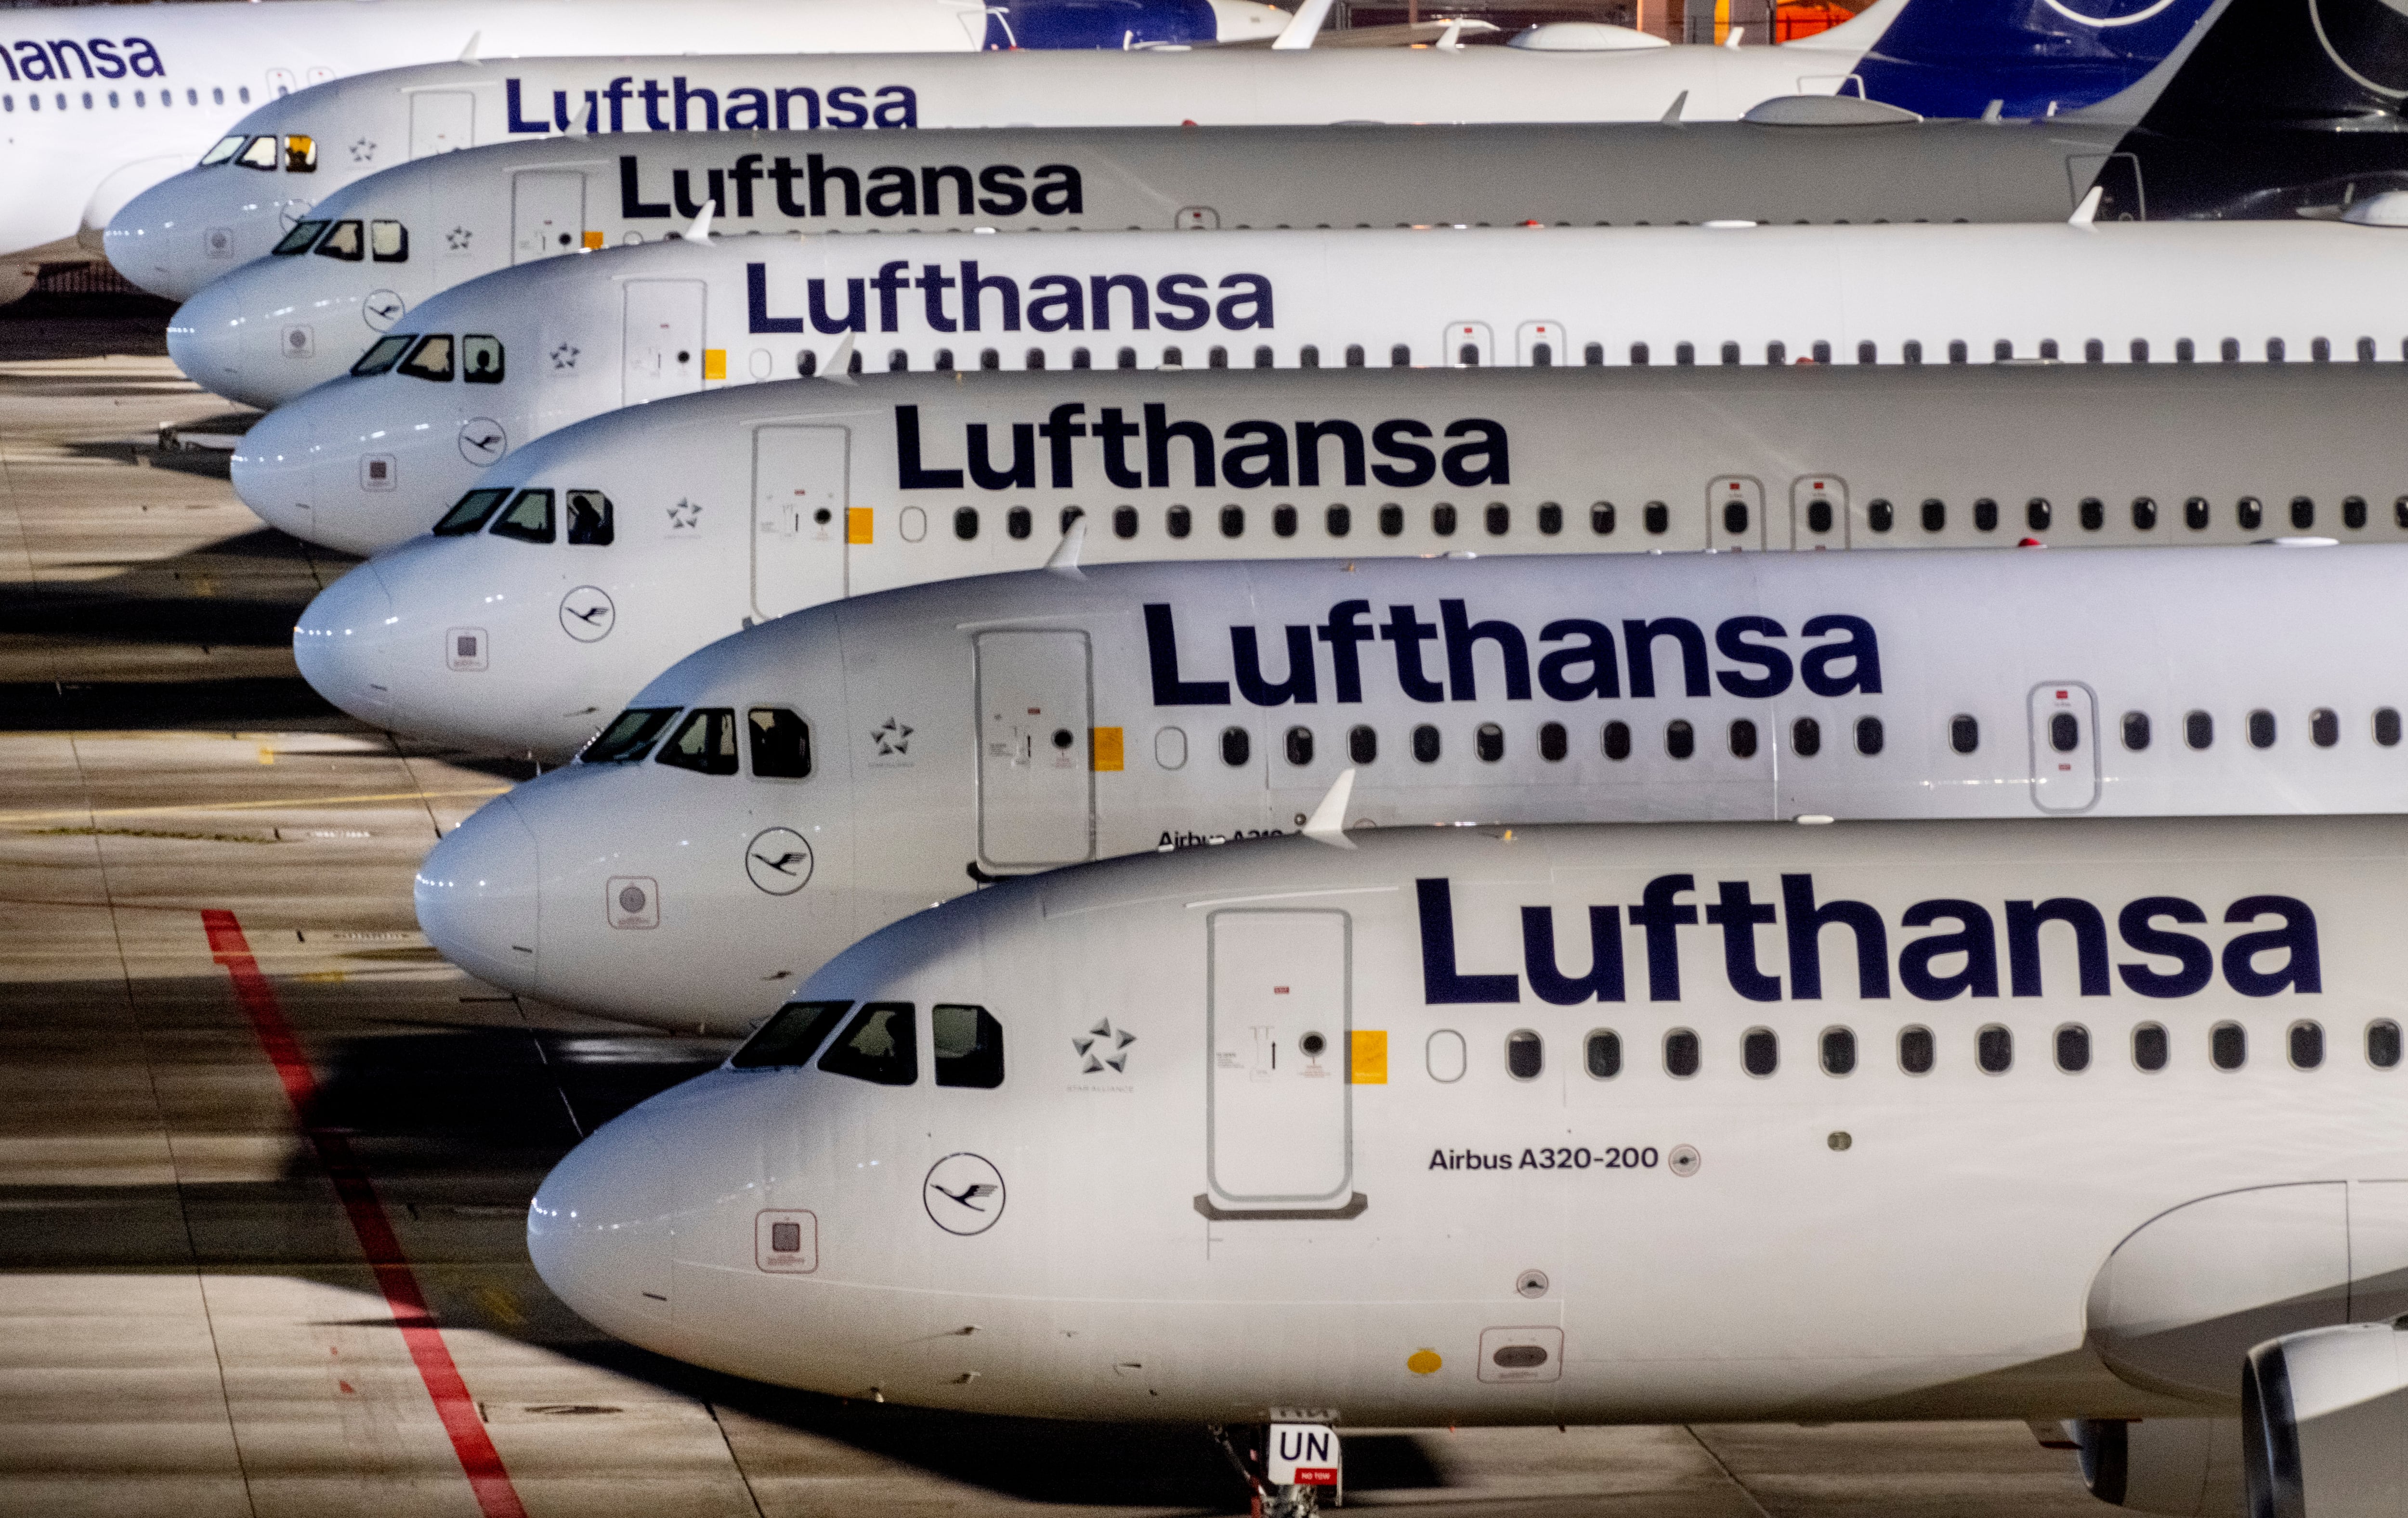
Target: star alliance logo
[[564, 358], [458, 238], [1104, 1047], [363, 151], [684, 517], [892, 738]]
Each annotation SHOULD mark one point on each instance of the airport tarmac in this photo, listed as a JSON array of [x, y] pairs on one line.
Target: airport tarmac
[[265, 1158]]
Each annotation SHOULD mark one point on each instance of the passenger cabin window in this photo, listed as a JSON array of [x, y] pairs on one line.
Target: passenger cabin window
[[471, 511], [629, 737], [705, 742], [2199, 729], [1806, 738], [2149, 1047], [1237, 746], [780, 744], [2324, 727], [1759, 1051], [1426, 744], [1602, 1052], [383, 355], [879, 1046], [1362, 745], [1994, 1050], [1916, 1049], [2383, 1044], [1869, 735], [1617, 741], [970, 1046], [1681, 1053], [529, 518], [298, 239], [791, 1037], [2227, 1046], [388, 242], [1839, 1050], [1524, 1055], [2136, 730], [2073, 1049], [2387, 726], [480, 359], [590, 519], [1963, 733], [347, 240], [2307, 1041], [431, 359]]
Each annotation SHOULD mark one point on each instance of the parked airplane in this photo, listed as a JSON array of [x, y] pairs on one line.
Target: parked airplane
[[774, 796], [594, 558], [493, 364], [99, 103], [2096, 1122], [432, 109]]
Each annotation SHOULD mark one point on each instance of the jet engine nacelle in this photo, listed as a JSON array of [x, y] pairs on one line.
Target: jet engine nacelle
[[2324, 1420], [2187, 1467]]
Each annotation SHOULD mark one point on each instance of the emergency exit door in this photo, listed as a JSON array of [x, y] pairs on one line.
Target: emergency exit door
[[1035, 781], [1277, 1101], [441, 122], [1818, 512], [663, 340], [547, 214], [1735, 513], [2064, 747], [798, 501]]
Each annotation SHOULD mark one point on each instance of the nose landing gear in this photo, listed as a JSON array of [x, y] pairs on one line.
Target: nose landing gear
[[1287, 1466]]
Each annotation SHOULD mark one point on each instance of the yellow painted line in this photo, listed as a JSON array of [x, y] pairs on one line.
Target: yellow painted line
[[8, 817]]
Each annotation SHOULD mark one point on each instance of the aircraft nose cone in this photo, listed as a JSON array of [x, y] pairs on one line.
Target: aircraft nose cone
[[157, 241], [275, 472], [598, 1228], [343, 643], [478, 896], [204, 338]]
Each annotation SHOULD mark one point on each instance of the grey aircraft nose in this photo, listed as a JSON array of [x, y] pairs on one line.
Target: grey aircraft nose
[[343, 643], [598, 1228], [158, 240], [478, 896], [206, 339]]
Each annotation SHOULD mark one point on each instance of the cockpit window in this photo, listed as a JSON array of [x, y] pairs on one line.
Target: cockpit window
[[480, 359], [431, 359], [300, 154], [258, 153], [970, 1046], [529, 518], [299, 238], [470, 511], [792, 1036], [384, 354], [226, 147], [348, 242], [782, 744], [389, 242], [877, 1046], [589, 518], [704, 742], [629, 737]]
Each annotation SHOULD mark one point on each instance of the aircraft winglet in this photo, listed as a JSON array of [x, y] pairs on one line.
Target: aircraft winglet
[[1733, 39], [469, 53], [839, 363], [1065, 558], [2088, 212], [700, 230], [1328, 822], [1302, 27], [1672, 115]]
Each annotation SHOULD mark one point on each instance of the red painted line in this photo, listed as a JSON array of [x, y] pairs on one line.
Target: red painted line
[[478, 1459]]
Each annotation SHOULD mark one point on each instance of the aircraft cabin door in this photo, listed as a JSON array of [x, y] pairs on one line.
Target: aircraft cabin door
[[798, 520], [1469, 345], [547, 214], [1037, 796], [1278, 1100], [441, 122], [1735, 513], [1818, 512], [664, 340], [1539, 345], [2064, 747]]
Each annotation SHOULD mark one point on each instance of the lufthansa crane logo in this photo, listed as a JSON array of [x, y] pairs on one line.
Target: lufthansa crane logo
[[382, 309], [482, 440], [964, 1194], [779, 861], [2131, 16], [2363, 38], [587, 614]]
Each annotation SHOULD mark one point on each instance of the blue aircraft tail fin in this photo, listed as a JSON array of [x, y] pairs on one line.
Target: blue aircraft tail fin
[[2031, 57], [1098, 23], [2289, 62]]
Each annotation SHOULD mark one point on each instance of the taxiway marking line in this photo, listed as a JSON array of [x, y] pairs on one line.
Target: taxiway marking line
[[12, 818], [496, 1497]]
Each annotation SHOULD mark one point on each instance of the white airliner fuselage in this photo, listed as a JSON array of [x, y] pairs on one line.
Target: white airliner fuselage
[[1497, 1126], [394, 114], [485, 367], [98, 103], [592, 559], [780, 793]]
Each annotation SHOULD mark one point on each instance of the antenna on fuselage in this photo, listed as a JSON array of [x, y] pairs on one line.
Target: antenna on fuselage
[[1302, 27], [1065, 558], [469, 53], [700, 230], [1328, 822], [839, 363]]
